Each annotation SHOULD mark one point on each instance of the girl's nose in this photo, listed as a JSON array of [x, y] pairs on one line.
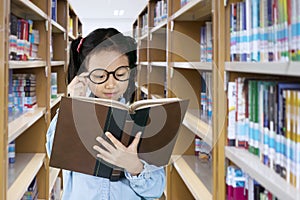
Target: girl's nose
[[111, 82]]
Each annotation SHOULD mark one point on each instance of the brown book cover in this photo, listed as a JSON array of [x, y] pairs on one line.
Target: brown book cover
[[81, 120]]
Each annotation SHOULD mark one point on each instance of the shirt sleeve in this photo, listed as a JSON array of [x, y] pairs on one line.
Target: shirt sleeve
[[50, 134], [150, 183]]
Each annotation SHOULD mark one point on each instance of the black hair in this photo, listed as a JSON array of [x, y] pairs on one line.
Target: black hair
[[103, 39]]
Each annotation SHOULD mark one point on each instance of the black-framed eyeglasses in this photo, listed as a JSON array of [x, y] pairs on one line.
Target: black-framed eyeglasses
[[99, 76]]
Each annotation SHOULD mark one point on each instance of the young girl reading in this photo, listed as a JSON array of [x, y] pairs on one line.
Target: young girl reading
[[105, 61]]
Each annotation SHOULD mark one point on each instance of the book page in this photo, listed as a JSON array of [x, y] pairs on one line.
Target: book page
[[105, 102], [151, 102]]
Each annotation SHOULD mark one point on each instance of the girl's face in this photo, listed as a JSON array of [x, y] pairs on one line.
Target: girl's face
[[110, 61]]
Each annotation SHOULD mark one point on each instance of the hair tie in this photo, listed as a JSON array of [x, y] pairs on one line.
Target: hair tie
[[79, 45]]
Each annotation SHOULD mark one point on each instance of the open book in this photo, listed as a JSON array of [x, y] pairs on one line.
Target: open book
[[82, 119]]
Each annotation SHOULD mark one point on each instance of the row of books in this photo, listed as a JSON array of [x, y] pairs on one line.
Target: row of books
[[264, 117], [144, 27], [184, 2], [53, 85], [265, 30], [22, 92], [240, 186], [206, 95], [206, 42], [202, 149], [56, 190], [23, 39], [160, 11], [70, 25], [54, 10], [32, 191], [11, 153]]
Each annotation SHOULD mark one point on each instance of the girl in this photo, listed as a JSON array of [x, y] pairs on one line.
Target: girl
[[105, 61]]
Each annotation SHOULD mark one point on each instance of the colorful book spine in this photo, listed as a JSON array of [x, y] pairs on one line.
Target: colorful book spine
[[11, 153], [288, 132], [255, 53], [231, 98], [297, 136], [240, 113]]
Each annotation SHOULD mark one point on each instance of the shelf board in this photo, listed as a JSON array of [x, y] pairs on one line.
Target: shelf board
[[55, 101], [28, 10], [158, 64], [251, 164], [71, 36], [20, 123], [196, 175], [144, 63], [143, 37], [57, 63], [57, 28], [144, 90], [156, 96], [26, 64], [201, 127], [195, 10], [52, 177], [271, 68], [160, 28], [193, 65], [22, 173]]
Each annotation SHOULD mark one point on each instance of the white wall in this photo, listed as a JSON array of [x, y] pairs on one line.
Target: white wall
[[123, 25]]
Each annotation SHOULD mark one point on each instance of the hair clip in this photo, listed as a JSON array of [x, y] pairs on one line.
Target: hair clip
[[79, 45]]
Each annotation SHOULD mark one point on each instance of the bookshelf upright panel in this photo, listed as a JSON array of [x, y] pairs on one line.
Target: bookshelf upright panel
[[4, 10]]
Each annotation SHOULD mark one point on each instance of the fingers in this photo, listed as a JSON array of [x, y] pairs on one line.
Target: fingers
[[136, 140], [106, 145], [78, 86], [116, 142], [103, 154]]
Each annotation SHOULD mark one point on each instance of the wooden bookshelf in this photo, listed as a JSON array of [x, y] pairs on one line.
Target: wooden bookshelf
[[196, 174], [269, 68], [28, 129], [161, 27], [21, 122], [266, 176], [169, 66], [22, 173], [57, 28], [26, 64], [55, 101], [52, 177], [193, 65], [230, 70], [201, 127], [194, 10], [28, 9], [57, 63]]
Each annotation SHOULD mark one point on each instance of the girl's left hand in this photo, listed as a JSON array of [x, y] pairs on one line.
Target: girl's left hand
[[119, 155]]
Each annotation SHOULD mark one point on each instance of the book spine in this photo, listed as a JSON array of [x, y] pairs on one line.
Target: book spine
[[251, 120], [266, 131], [231, 95], [114, 124], [240, 114], [261, 120], [233, 33], [293, 137], [297, 136], [272, 133], [255, 55], [288, 130]]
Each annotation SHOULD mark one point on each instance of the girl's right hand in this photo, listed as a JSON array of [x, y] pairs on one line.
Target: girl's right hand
[[77, 87]]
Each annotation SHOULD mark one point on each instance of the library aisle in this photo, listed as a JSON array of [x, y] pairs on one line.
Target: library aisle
[[237, 61]]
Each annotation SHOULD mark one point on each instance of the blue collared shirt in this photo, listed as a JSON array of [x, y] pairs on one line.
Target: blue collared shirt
[[149, 184]]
